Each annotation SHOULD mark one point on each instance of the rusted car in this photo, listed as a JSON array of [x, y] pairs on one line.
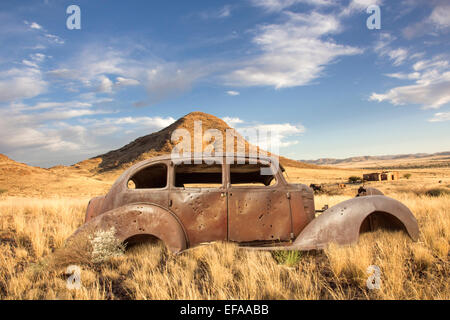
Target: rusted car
[[187, 203]]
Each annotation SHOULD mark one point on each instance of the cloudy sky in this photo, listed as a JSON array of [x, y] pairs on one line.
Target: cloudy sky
[[309, 70]]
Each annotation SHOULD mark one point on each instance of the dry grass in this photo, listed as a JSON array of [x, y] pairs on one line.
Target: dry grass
[[33, 261]]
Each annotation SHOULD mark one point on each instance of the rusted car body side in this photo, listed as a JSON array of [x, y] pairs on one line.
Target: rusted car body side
[[227, 213], [275, 213]]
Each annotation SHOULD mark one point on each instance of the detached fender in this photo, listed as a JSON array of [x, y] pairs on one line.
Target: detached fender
[[140, 219], [343, 222]]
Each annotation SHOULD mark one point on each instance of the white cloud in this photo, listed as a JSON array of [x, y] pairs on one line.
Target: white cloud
[[396, 56], [131, 125], [168, 80], [43, 137], [440, 117], [159, 78], [60, 73], [430, 90], [279, 5], [441, 16], [106, 85], [54, 38], [48, 36], [272, 137], [437, 22], [223, 12], [29, 63], [232, 121], [34, 25], [293, 53], [120, 81], [355, 6], [403, 76], [64, 114], [16, 84], [233, 93], [22, 133], [93, 64], [52, 105], [151, 122], [38, 57]]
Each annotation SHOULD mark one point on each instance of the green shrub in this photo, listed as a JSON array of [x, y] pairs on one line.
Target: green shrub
[[407, 175], [3, 191], [289, 258], [437, 192], [354, 179]]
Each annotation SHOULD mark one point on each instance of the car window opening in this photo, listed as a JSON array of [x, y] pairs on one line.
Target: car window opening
[[198, 176], [251, 175], [152, 177]]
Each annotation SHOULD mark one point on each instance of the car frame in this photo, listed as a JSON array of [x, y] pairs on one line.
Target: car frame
[[271, 216]]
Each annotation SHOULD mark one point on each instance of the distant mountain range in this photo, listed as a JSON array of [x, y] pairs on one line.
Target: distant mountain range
[[333, 161]]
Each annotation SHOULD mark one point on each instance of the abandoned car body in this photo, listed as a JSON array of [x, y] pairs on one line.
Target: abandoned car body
[[186, 204]]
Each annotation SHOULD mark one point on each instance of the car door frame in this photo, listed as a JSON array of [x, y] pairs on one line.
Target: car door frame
[[272, 227], [203, 221], [159, 196]]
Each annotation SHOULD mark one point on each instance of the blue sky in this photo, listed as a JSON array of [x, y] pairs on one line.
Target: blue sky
[[309, 70]]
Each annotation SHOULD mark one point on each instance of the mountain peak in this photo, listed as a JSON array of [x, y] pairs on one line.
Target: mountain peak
[[208, 121]]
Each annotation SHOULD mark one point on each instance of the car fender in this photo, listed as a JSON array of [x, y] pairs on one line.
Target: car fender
[[343, 222], [94, 208], [141, 219]]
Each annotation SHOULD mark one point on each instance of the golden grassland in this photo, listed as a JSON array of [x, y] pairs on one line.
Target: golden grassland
[[33, 260]]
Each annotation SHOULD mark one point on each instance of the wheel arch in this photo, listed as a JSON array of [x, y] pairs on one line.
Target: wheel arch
[[344, 222], [142, 219]]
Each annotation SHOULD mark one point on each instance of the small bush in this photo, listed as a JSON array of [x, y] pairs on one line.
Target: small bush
[[105, 245], [437, 192], [354, 179], [3, 191], [407, 175], [288, 258]]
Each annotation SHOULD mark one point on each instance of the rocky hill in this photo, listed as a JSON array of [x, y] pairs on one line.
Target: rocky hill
[[159, 143]]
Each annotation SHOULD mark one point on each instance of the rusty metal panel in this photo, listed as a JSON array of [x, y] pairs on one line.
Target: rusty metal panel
[[155, 196], [302, 206], [202, 211], [258, 214]]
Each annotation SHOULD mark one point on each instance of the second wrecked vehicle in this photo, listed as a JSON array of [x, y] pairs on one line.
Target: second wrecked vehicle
[[186, 204]]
